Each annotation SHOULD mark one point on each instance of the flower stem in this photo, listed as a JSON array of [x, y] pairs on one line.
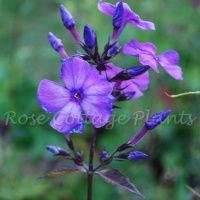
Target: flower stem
[[90, 171]]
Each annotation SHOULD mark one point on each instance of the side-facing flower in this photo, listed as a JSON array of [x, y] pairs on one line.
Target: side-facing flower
[[129, 89], [147, 56], [128, 16], [85, 93]]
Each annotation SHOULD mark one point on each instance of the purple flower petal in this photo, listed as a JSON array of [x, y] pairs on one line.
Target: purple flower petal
[[169, 61], [142, 81], [106, 8], [52, 96], [73, 73], [129, 49], [69, 119], [135, 20], [147, 46], [103, 88], [98, 109], [147, 58], [130, 87]]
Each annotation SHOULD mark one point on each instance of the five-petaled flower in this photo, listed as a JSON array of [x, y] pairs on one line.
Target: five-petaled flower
[[86, 93], [147, 56]]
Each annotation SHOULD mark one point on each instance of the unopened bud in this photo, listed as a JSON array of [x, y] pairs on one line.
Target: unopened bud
[[66, 17]]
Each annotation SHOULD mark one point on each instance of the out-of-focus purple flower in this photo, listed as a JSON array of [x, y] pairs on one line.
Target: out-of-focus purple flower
[[136, 155], [147, 56], [57, 45], [57, 150], [156, 119], [89, 36], [132, 87], [85, 93], [128, 16], [69, 23]]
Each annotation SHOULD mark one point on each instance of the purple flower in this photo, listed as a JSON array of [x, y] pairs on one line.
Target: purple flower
[[147, 56], [132, 87], [128, 16], [85, 93]]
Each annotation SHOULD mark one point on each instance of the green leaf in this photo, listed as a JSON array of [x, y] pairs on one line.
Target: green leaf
[[115, 177], [64, 169]]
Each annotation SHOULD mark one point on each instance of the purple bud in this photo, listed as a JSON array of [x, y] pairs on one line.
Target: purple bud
[[130, 73], [55, 42], [136, 71], [89, 36], [103, 155], [57, 150], [136, 155], [118, 16], [115, 49], [53, 149], [67, 18], [156, 119]]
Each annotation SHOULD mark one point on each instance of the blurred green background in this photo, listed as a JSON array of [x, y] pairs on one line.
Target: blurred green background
[[172, 170]]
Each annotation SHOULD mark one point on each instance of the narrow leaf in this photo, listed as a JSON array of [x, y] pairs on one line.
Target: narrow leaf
[[113, 176], [64, 169], [182, 94]]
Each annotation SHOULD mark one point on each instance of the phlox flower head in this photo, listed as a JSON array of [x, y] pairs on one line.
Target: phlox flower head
[[85, 94], [147, 56]]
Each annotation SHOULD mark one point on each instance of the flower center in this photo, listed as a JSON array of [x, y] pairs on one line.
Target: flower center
[[77, 96]]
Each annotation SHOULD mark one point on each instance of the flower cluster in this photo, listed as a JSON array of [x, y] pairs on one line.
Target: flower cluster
[[92, 84]]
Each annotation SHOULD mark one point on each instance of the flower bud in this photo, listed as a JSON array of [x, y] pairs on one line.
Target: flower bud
[[156, 119], [89, 36], [55, 42], [115, 49], [130, 73], [136, 155], [57, 150], [103, 156], [67, 18]]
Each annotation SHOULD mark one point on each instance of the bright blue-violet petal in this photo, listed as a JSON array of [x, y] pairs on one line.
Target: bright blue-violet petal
[[98, 109], [169, 61], [74, 72], [52, 96], [69, 119]]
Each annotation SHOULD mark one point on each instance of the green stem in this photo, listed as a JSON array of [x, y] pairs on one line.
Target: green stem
[[90, 171]]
